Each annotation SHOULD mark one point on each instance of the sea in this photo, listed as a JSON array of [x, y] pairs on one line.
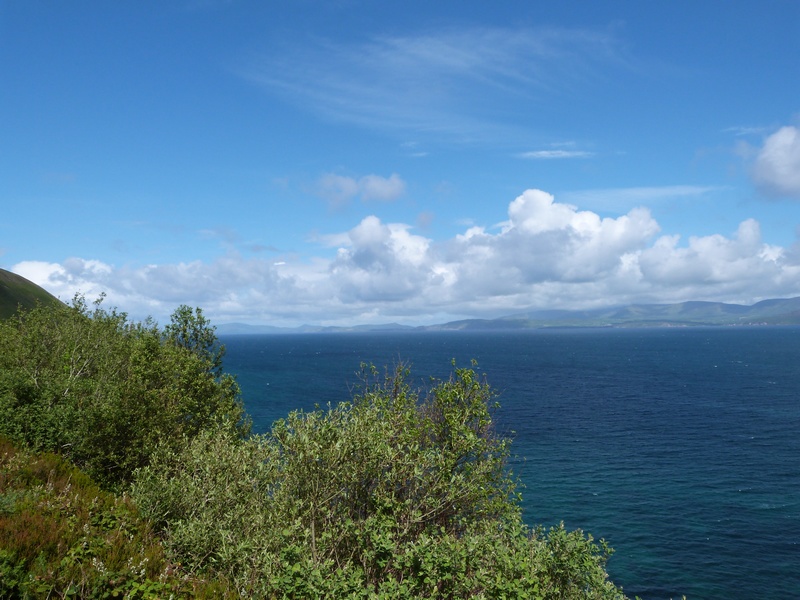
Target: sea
[[678, 446]]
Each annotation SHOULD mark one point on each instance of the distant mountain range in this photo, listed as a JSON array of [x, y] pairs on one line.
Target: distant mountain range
[[17, 291], [245, 329], [684, 314]]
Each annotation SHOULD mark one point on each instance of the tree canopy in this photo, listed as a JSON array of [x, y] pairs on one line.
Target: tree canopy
[[103, 391]]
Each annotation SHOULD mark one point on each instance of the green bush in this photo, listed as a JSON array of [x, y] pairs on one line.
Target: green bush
[[104, 392], [391, 495]]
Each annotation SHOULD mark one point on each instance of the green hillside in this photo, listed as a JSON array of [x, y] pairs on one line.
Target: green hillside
[[16, 291]]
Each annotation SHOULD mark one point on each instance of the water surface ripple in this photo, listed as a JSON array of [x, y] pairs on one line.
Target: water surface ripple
[[680, 447]]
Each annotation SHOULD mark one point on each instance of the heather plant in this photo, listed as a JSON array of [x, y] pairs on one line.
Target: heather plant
[[62, 536]]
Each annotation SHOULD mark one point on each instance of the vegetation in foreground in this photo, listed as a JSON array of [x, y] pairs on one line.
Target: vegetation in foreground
[[395, 494], [61, 536]]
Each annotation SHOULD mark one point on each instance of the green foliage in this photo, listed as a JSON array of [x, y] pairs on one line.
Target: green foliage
[[87, 383], [393, 495], [61, 536], [191, 330]]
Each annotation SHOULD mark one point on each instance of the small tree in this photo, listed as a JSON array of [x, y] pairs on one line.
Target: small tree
[[188, 328], [89, 384]]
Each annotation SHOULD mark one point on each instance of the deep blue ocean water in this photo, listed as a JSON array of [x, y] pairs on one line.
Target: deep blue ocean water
[[680, 447]]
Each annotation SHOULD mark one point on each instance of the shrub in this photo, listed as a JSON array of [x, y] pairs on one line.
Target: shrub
[[104, 392], [393, 495]]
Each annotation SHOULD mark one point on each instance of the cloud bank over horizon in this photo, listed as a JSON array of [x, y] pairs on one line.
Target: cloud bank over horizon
[[545, 254]]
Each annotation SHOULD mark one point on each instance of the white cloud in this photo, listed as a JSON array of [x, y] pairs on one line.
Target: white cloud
[[744, 130], [74, 275], [616, 199], [383, 262], [554, 154], [536, 211], [777, 167], [546, 254], [339, 190], [709, 259], [384, 189], [548, 241]]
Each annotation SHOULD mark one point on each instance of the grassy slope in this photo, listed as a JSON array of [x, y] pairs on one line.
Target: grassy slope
[[16, 291]]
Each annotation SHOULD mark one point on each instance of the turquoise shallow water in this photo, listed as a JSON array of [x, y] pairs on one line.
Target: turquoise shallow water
[[681, 447]]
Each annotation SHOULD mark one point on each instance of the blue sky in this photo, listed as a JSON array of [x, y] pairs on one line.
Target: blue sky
[[353, 162]]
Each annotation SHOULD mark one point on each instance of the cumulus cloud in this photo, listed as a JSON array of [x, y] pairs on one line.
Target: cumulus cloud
[[545, 254], [711, 259], [382, 263], [545, 241], [339, 190], [776, 169]]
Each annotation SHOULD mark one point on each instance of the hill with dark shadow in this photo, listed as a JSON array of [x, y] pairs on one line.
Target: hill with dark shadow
[[16, 292]]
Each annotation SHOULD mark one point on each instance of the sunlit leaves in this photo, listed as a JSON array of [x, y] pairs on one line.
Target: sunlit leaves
[[399, 493]]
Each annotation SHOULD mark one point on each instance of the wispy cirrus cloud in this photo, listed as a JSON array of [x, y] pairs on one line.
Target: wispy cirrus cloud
[[436, 83], [555, 154], [623, 198], [744, 130]]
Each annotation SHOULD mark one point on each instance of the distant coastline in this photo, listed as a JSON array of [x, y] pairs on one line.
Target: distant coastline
[[782, 311]]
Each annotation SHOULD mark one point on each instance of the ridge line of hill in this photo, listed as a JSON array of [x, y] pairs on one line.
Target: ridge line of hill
[[16, 291]]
